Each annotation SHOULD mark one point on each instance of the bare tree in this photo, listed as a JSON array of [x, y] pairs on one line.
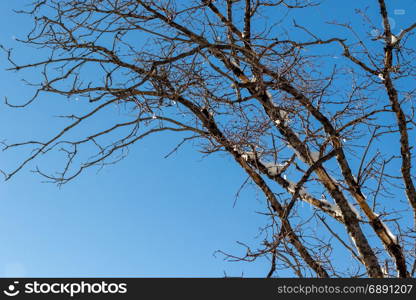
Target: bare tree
[[242, 78]]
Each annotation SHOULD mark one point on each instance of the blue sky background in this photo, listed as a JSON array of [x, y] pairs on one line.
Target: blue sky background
[[145, 216]]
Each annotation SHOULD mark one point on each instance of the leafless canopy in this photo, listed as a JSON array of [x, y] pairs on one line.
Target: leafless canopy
[[305, 115]]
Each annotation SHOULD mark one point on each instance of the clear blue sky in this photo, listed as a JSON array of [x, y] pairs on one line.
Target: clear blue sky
[[146, 216]]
